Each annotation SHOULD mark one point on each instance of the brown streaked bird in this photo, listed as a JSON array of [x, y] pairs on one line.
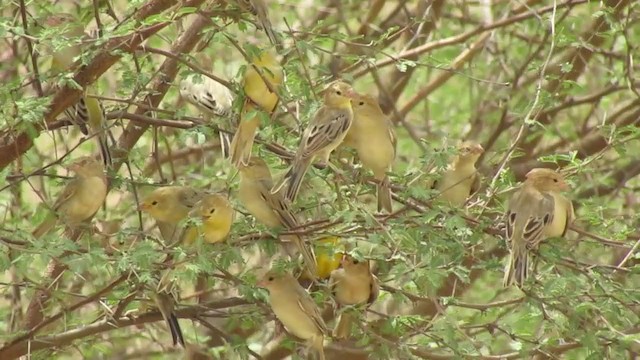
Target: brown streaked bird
[[295, 309], [352, 284], [374, 139], [325, 133], [259, 9], [88, 113], [81, 198], [536, 211], [461, 179], [270, 209]]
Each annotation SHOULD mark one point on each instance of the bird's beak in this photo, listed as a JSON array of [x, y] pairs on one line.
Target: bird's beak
[[72, 167], [565, 186], [352, 94], [478, 149], [143, 207], [343, 260], [261, 283]]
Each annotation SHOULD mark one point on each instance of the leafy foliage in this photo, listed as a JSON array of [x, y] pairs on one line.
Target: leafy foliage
[[549, 84]]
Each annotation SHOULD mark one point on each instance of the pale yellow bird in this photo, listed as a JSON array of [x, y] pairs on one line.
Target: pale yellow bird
[[270, 209], [208, 95], [325, 133], [259, 9], [88, 113], [168, 206], [536, 211], [260, 99], [461, 179], [295, 309], [352, 284], [217, 216], [81, 198], [374, 139]]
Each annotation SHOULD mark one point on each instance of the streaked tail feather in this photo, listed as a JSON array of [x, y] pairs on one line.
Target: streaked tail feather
[[176, 331], [383, 190], [225, 144], [105, 153], [517, 270], [294, 178]]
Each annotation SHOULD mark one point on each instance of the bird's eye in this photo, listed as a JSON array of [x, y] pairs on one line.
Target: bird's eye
[[212, 211], [361, 103], [338, 92], [154, 203], [555, 180], [270, 278], [355, 262]]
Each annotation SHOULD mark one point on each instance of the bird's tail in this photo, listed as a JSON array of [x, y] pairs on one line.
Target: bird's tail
[[383, 189], [293, 179], [164, 301], [42, 229], [307, 254], [343, 328], [105, 153], [243, 139], [517, 269]]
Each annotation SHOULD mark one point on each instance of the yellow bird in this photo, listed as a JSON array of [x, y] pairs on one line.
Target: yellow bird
[[325, 133], [270, 209], [260, 97], [374, 139], [461, 179], [352, 284], [88, 113], [328, 253], [536, 211], [81, 198], [295, 309], [168, 206], [217, 216]]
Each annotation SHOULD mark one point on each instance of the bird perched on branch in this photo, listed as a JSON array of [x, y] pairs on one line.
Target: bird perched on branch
[[258, 8], [268, 208], [208, 95], [81, 198], [263, 78], [295, 309], [88, 113], [325, 133], [352, 284], [536, 211], [373, 138], [216, 215], [461, 179], [168, 206]]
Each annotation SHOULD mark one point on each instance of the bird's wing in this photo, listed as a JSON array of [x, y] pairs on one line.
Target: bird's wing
[[528, 215], [310, 308], [323, 130]]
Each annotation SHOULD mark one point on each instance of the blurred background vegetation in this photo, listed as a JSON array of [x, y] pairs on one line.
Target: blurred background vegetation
[[537, 83]]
